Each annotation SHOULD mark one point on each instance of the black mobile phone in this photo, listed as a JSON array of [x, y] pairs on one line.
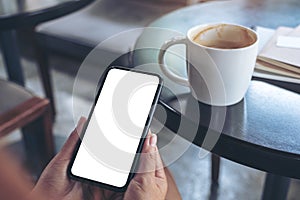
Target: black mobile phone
[[118, 123]]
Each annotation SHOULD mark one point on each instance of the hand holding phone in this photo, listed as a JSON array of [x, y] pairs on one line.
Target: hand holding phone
[[150, 182], [117, 125], [62, 187]]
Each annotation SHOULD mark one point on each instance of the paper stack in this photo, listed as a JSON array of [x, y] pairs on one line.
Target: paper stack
[[279, 54]]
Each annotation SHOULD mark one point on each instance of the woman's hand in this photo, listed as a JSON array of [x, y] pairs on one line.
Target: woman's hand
[[150, 182]]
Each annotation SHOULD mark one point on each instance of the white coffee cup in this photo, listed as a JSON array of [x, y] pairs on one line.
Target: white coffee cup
[[220, 62]]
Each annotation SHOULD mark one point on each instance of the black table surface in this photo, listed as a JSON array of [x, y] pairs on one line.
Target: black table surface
[[262, 131], [20, 13]]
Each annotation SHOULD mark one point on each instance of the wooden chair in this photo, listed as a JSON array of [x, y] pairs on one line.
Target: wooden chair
[[20, 108]]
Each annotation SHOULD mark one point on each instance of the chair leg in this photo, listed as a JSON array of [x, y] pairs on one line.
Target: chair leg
[[11, 55], [43, 66], [38, 141], [215, 168]]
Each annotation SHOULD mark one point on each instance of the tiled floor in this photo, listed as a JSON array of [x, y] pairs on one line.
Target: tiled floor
[[191, 172]]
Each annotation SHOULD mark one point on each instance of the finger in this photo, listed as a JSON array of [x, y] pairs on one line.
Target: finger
[[159, 167], [67, 150], [147, 163], [80, 125]]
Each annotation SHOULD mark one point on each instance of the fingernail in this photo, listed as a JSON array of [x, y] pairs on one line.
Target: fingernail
[[153, 140]]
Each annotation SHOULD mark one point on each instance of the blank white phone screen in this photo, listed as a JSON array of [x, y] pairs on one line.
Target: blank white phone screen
[[110, 142]]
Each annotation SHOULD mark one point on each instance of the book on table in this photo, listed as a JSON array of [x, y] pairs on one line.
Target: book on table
[[279, 54]]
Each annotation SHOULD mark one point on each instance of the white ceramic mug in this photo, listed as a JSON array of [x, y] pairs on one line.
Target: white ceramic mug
[[220, 62]]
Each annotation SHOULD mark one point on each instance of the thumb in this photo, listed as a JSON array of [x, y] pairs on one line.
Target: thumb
[[148, 157]]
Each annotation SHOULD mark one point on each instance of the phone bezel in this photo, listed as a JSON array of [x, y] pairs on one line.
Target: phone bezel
[[140, 146]]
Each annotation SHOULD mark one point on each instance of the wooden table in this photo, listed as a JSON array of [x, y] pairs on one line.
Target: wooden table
[[262, 131]]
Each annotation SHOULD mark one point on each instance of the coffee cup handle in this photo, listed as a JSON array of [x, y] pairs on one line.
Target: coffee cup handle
[[164, 67]]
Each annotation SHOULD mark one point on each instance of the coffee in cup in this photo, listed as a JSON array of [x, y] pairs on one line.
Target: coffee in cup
[[220, 36]]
